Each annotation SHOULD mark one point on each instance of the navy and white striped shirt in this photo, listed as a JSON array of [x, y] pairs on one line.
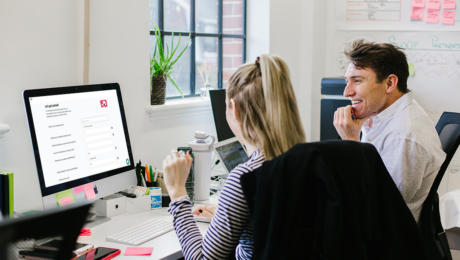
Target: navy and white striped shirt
[[230, 227]]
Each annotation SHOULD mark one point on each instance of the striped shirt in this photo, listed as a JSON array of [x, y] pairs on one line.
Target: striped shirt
[[230, 228]]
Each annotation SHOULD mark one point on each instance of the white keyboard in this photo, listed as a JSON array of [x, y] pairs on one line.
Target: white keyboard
[[142, 233]]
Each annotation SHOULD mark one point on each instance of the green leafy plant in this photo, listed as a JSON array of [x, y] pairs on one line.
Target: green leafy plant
[[161, 63]]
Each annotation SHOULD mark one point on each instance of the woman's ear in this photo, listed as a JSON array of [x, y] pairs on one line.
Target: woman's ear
[[234, 114]]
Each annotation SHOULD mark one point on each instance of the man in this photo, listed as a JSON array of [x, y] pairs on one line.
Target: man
[[383, 109]]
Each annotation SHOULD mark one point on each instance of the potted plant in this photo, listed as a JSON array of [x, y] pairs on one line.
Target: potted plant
[[161, 68]]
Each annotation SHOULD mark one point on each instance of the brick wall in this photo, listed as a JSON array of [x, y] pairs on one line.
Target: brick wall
[[232, 47]]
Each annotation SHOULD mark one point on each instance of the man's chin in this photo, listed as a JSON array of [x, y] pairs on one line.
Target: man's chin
[[360, 116]]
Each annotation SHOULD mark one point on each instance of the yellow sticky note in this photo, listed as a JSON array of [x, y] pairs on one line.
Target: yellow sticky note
[[63, 195], [411, 69]]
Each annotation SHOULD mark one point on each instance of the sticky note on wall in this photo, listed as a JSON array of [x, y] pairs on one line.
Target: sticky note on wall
[[417, 14], [434, 4], [418, 3], [448, 17], [411, 69], [449, 4], [432, 16]]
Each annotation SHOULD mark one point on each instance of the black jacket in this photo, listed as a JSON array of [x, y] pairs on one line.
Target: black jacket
[[329, 200]]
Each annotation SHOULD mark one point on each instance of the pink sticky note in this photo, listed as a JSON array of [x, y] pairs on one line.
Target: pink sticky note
[[138, 251], [417, 13], [434, 4], [90, 194], [432, 16], [448, 17], [418, 3], [78, 189], [448, 4], [88, 186], [66, 201]]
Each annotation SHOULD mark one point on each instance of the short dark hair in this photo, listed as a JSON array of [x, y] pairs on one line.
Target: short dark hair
[[383, 58]]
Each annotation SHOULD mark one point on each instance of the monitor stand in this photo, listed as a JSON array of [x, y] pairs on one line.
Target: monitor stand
[[96, 222]]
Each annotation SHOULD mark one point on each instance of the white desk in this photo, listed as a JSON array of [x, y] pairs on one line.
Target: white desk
[[163, 245]]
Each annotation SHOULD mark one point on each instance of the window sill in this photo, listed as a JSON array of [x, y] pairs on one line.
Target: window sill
[[179, 108]]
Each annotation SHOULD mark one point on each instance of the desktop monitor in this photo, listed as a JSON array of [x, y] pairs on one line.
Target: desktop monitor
[[218, 110], [79, 136]]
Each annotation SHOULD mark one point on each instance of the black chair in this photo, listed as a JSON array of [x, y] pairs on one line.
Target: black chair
[[329, 200], [22, 233], [448, 128]]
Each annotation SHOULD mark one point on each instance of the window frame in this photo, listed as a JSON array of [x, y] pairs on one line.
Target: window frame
[[193, 34]]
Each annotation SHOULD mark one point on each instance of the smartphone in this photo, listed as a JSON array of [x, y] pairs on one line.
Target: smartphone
[[40, 254], [190, 177], [100, 253], [56, 244]]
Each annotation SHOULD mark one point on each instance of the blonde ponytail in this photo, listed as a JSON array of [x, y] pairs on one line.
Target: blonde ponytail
[[266, 105]]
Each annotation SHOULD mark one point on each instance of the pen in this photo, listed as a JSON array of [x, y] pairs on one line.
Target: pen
[[147, 175], [156, 174], [143, 180]]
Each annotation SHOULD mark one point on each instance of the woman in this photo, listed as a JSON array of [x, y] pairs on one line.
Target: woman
[[262, 113]]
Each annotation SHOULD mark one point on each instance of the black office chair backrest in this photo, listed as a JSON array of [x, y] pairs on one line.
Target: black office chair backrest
[[25, 232], [329, 200], [448, 128]]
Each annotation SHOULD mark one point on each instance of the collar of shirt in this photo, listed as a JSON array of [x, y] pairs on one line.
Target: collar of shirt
[[390, 111]]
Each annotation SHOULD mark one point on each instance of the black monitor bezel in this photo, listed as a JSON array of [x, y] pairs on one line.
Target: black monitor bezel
[[27, 94], [223, 130]]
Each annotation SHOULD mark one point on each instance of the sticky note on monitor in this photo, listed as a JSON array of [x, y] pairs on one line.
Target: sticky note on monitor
[[90, 194], [65, 195], [432, 16], [78, 189], [418, 3], [434, 4], [80, 196], [88, 186], [448, 17], [66, 201], [411, 69], [449, 4], [417, 13]]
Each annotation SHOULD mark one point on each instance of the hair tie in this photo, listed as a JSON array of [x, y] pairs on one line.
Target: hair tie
[[258, 62]]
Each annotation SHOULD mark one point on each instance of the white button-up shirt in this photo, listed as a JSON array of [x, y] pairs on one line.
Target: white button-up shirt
[[409, 145]]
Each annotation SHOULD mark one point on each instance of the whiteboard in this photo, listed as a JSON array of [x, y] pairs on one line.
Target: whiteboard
[[436, 83], [391, 15]]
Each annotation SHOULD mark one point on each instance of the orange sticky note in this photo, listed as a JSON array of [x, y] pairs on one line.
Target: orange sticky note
[[90, 194], [138, 251], [434, 4], [88, 186], [66, 201], [448, 4], [78, 189], [418, 3], [417, 13], [448, 17], [432, 16]]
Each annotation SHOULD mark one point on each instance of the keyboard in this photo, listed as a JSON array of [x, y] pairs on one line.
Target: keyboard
[[142, 233]]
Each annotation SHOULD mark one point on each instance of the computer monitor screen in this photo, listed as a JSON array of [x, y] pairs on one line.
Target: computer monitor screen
[[218, 109], [79, 135]]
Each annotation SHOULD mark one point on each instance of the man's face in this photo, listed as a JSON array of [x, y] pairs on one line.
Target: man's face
[[367, 96]]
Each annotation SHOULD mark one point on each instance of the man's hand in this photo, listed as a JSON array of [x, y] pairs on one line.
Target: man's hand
[[348, 128]]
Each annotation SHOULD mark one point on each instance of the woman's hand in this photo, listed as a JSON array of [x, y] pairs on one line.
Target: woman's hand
[[206, 211], [176, 169]]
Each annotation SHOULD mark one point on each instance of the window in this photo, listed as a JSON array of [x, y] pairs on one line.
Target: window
[[218, 40]]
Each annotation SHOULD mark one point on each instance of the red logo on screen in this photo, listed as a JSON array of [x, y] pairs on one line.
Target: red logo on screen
[[103, 103]]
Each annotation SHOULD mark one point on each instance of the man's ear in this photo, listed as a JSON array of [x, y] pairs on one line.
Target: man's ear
[[235, 113], [392, 83]]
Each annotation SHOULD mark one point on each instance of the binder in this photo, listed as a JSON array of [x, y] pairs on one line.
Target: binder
[[8, 193]]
